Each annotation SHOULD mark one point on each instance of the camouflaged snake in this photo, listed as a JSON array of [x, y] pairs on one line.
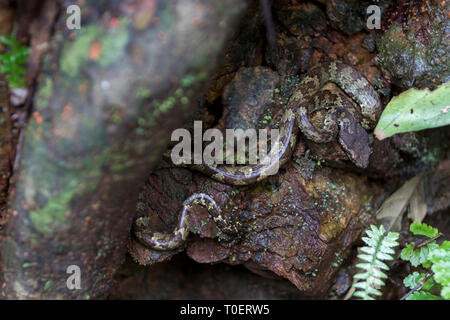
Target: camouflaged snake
[[169, 241], [308, 93], [309, 96]]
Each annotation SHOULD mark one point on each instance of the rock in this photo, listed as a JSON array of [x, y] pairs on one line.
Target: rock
[[301, 19], [415, 52], [248, 98], [298, 229], [288, 55], [346, 15]]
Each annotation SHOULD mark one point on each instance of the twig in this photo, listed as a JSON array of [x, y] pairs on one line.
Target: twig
[[417, 287], [350, 291], [429, 240]]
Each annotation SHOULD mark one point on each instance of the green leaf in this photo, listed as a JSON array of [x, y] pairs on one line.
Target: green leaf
[[422, 229], [379, 247], [440, 257], [445, 245], [415, 278], [407, 252], [421, 295], [445, 292], [415, 110], [417, 256]]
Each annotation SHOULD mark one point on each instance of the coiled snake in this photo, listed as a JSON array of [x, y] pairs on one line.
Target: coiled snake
[[309, 96]]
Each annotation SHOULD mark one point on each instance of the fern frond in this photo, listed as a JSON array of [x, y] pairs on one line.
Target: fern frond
[[379, 248], [440, 258]]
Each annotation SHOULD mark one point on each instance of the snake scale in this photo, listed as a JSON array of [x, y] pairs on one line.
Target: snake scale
[[309, 96]]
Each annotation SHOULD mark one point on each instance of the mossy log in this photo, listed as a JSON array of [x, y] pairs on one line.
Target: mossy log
[[108, 97]]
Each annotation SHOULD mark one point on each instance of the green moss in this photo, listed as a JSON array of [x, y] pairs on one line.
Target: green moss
[[143, 93], [48, 284], [44, 94], [54, 211], [76, 53], [71, 183], [167, 104], [189, 79], [113, 43], [184, 100], [120, 162]]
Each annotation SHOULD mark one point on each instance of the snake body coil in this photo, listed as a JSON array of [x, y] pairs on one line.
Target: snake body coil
[[296, 116]]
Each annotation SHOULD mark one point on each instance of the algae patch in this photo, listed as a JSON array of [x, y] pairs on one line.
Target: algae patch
[[112, 47]]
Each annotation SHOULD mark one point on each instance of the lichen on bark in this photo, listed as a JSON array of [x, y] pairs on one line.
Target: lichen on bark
[[108, 97]]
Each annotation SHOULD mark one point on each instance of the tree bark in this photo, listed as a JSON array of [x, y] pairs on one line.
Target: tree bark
[[107, 99]]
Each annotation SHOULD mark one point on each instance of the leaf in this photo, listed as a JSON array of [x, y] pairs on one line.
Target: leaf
[[417, 204], [412, 280], [418, 256], [421, 295], [393, 207], [430, 284], [422, 229], [440, 257], [415, 110], [445, 292], [407, 252], [380, 247]]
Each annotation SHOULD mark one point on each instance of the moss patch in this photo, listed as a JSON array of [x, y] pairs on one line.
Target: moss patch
[[112, 41]]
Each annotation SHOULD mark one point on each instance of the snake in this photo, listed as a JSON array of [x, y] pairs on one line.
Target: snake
[[309, 96], [169, 241]]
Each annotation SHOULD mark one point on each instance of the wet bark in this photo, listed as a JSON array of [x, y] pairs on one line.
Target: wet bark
[[107, 99]]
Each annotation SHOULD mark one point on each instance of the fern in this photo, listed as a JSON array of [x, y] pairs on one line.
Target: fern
[[422, 295], [431, 256], [440, 259], [379, 248], [418, 256]]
